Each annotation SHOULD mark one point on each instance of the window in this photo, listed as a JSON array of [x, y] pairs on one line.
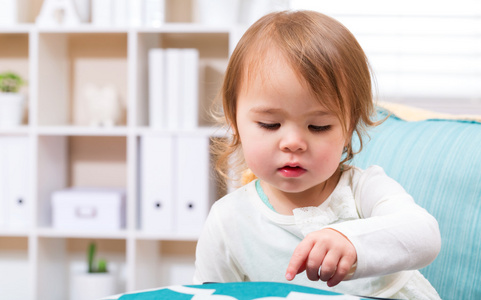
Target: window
[[423, 52]]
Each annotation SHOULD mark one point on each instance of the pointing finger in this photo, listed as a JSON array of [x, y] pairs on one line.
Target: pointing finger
[[297, 263]]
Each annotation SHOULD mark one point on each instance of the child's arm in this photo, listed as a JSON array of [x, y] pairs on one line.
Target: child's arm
[[327, 250], [394, 234]]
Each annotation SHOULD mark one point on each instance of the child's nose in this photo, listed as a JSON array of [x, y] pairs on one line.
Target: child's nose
[[293, 142]]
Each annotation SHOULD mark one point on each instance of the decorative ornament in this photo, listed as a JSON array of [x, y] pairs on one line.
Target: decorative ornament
[[58, 13]]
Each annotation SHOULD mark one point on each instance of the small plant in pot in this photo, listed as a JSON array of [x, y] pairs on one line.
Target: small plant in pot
[[10, 82], [96, 283], [101, 266], [11, 101]]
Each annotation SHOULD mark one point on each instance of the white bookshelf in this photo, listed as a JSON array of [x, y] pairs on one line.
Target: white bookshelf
[[63, 151]]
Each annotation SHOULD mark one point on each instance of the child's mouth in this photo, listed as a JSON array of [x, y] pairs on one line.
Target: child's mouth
[[292, 171]]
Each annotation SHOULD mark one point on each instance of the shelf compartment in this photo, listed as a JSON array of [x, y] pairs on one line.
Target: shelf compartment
[[14, 56], [163, 263], [69, 64], [213, 50], [78, 161], [14, 263], [60, 258]]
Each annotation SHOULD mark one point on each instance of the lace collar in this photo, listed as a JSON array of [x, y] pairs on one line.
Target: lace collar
[[339, 207]]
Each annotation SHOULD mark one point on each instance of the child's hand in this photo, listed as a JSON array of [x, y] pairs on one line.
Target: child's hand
[[325, 255]]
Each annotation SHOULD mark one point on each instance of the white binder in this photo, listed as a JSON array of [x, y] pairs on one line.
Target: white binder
[[102, 12], [157, 86], [3, 183], [154, 13], [8, 13], [157, 184], [174, 88], [173, 58], [190, 88], [136, 12], [120, 11], [193, 184], [15, 181]]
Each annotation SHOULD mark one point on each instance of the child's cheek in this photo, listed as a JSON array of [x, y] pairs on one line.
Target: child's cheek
[[254, 158]]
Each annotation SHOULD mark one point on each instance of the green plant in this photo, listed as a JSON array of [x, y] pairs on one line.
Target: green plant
[[10, 82], [101, 266]]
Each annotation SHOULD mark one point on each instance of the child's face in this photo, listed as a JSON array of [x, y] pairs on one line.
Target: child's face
[[289, 140]]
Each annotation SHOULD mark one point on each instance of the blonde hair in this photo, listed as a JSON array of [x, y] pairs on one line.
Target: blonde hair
[[325, 56]]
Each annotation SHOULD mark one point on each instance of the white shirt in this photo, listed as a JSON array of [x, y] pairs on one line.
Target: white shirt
[[244, 240]]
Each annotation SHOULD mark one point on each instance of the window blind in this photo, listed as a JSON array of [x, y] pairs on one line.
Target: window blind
[[422, 52]]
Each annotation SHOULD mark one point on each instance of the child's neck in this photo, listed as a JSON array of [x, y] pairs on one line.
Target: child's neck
[[284, 203]]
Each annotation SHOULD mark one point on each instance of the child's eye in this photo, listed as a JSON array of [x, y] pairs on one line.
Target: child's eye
[[269, 126], [319, 128]]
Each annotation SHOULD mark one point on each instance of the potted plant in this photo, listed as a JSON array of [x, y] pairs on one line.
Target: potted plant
[[101, 267], [11, 101], [96, 283]]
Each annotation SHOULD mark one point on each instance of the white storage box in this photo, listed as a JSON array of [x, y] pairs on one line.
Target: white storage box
[[88, 209]]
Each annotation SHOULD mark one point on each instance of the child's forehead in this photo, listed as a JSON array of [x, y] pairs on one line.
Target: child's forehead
[[264, 65], [262, 68], [274, 75]]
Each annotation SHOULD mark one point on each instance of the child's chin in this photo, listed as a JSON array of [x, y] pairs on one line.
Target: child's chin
[[291, 188]]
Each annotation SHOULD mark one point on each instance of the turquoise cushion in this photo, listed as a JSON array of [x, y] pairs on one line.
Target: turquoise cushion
[[439, 163]]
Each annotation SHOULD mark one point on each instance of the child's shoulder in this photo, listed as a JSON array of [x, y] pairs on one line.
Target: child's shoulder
[[358, 174], [238, 198], [373, 181], [235, 209], [372, 177]]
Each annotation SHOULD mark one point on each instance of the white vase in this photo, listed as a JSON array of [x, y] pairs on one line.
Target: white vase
[[12, 107], [91, 286]]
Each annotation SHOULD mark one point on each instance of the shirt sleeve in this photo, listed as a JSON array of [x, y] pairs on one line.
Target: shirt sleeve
[[394, 233], [214, 262]]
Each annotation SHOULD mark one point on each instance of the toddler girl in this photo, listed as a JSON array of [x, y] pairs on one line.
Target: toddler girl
[[296, 89]]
